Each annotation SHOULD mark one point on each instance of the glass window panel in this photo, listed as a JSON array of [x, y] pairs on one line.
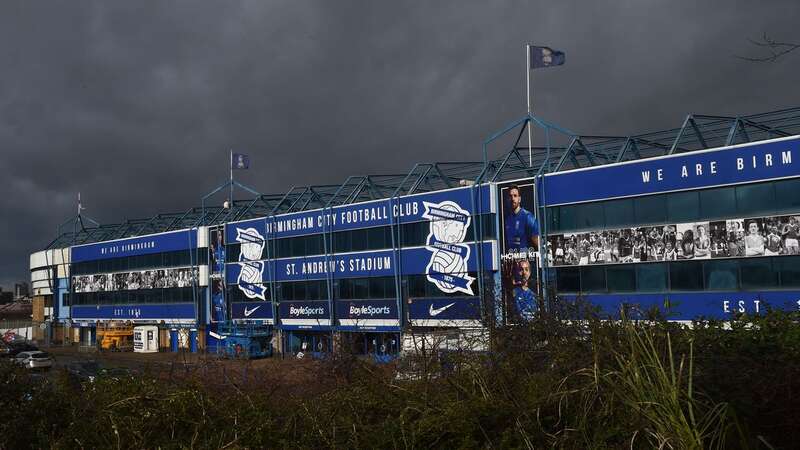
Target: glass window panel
[[376, 238], [754, 199], [554, 219], [589, 216], [416, 286], [359, 240], [789, 267], [360, 288], [298, 246], [568, 279], [593, 279], [757, 273], [232, 252], [650, 209], [567, 217], [299, 289], [389, 287], [377, 288], [342, 241], [786, 198], [683, 206], [686, 276], [489, 231], [621, 278], [313, 290], [651, 277], [718, 203], [721, 275], [619, 213], [313, 245]]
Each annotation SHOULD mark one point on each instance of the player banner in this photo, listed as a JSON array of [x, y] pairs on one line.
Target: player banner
[[519, 237]]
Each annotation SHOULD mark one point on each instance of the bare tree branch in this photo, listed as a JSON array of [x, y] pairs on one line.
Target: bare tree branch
[[776, 49]]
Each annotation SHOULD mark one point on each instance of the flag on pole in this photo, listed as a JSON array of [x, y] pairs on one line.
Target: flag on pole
[[545, 57], [240, 161]]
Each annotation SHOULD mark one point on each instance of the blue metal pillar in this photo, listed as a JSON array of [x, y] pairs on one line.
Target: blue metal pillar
[[173, 340], [193, 340]]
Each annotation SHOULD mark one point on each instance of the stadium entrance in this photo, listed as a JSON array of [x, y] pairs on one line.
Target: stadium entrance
[[307, 343]]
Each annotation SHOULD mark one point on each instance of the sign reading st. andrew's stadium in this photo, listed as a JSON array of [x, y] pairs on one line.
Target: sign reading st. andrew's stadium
[[445, 259]]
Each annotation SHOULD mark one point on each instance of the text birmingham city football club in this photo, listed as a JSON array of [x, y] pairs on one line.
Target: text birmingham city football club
[[712, 168], [375, 213]]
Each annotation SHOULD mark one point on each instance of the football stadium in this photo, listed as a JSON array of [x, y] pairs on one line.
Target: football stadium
[[702, 220]]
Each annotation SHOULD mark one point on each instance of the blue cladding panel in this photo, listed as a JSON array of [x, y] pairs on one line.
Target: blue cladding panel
[[688, 306], [251, 310], [140, 312], [451, 308], [745, 163], [144, 245], [362, 215]]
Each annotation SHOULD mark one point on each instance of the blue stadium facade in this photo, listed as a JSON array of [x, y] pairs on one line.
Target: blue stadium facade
[[701, 220]]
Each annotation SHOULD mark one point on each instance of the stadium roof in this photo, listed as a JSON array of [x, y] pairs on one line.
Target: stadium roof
[[697, 132]]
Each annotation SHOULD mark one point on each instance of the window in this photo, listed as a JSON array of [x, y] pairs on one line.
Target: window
[[589, 215], [359, 240], [554, 219], [650, 209], [757, 273], [651, 277], [341, 242], [568, 279], [756, 199], [786, 196], [567, 217], [414, 234], [718, 203], [789, 268], [721, 275], [686, 276], [593, 279], [619, 213], [416, 285], [621, 278], [379, 237]]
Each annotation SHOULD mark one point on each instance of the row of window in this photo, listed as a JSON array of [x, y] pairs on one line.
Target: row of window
[[374, 288], [375, 238], [768, 198], [138, 297], [179, 258], [710, 275]]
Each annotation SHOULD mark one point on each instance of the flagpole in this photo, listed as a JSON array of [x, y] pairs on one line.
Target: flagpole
[[528, 98], [230, 200]]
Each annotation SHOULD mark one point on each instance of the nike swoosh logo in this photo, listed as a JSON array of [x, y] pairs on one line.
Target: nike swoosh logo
[[251, 311], [436, 311]]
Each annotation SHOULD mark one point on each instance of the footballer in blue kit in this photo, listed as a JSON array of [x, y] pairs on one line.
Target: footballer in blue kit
[[521, 227], [524, 298]]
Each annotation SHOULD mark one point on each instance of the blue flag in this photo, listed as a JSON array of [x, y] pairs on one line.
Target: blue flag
[[545, 57], [240, 161]]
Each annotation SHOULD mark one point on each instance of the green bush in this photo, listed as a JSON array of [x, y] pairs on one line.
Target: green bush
[[552, 383]]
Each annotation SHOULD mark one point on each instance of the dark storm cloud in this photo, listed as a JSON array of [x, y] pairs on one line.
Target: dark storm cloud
[[135, 104]]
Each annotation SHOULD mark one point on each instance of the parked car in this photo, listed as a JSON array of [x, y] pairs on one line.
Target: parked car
[[83, 371], [11, 350], [34, 360]]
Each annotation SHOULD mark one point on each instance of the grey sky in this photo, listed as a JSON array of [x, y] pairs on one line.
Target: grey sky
[[135, 104]]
